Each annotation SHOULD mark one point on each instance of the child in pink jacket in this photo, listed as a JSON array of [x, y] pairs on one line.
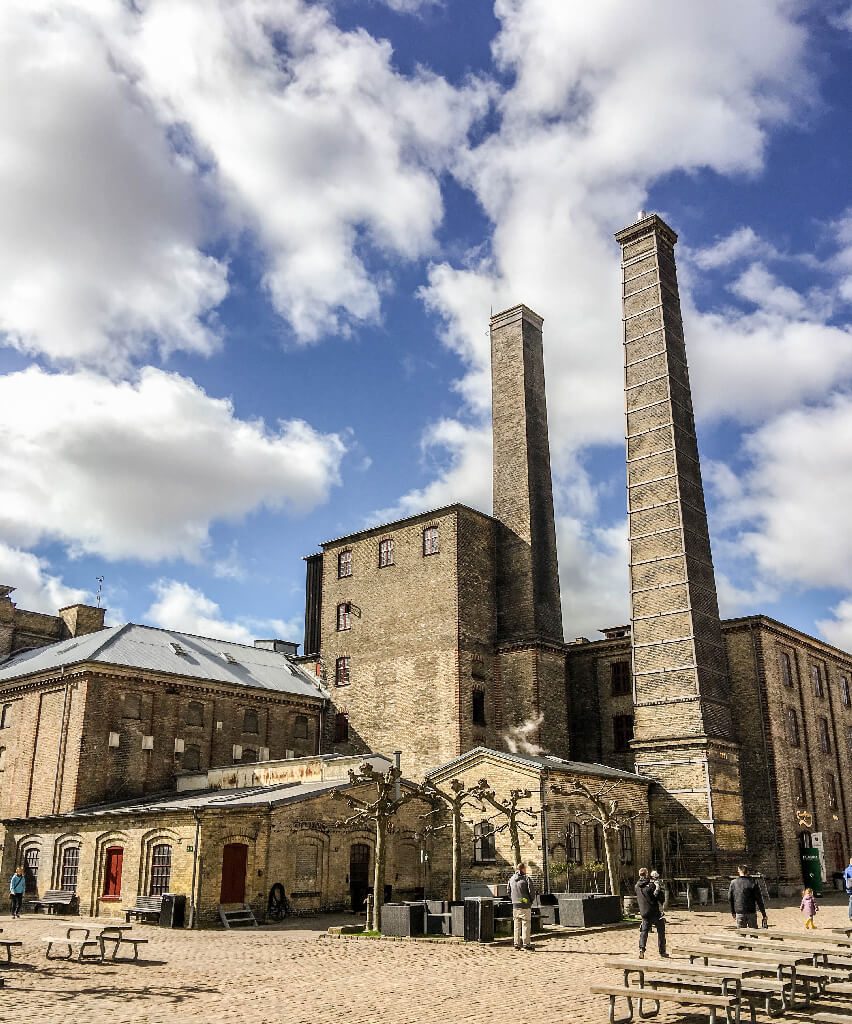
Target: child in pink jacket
[[809, 907]]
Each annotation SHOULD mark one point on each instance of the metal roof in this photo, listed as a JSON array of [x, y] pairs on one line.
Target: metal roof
[[169, 652], [544, 761]]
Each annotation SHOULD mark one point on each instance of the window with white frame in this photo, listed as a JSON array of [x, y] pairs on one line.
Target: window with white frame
[[385, 552], [484, 843], [344, 564], [430, 540], [344, 616]]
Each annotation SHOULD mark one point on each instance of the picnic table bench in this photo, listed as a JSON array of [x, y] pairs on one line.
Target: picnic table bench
[[778, 965], [147, 907], [75, 938], [815, 935], [53, 899], [686, 976], [9, 944], [714, 1003], [827, 954], [115, 934]]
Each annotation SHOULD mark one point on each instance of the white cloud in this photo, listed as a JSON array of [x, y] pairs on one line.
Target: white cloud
[[319, 146], [181, 607], [838, 629], [101, 224], [140, 470], [796, 489], [744, 243], [593, 576], [36, 588], [411, 6]]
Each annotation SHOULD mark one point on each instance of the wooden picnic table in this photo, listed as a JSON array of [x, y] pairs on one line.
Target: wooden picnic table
[[728, 979], [826, 952], [785, 966], [814, 935], [92, 946]]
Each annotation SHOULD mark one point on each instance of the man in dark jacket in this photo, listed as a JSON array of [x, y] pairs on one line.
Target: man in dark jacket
[[745, 898], [521, 893], [650, 896]]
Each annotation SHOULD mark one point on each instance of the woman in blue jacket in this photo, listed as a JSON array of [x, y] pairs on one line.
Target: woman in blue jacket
[[17, 887]]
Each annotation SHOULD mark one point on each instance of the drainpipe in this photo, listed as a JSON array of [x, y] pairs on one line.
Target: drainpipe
[[192, 902], [397, 756], [544, 865]]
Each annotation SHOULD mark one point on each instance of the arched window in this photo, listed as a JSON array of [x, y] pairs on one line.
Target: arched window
[[2, 759], [69, 868], [598, 840], [195, 713], [249, 756], [250, 721], [307, 866], [191, 761], [626, 837], [30, 861], [300, 727], [574, 843], [132, 706], [484, 845], [161, 869]]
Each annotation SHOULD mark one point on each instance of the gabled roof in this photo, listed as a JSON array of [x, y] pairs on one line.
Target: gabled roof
[[540, 763], [171, 653]]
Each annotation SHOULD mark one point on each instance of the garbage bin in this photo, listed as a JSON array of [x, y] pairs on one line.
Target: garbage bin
[[478, 919], [173, 910]]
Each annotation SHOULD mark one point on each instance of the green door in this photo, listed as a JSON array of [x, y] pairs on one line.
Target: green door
[[811, 870]]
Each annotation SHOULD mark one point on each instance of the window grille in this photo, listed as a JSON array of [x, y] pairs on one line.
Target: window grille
[[161, 869], [344, 565], [484, 843], [69, 869], [31, 859]]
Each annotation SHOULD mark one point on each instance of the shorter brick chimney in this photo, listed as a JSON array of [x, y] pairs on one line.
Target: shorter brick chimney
[[81, 619]]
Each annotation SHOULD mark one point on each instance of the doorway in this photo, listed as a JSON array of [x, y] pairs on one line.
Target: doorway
[[359, 875], [234, 862]]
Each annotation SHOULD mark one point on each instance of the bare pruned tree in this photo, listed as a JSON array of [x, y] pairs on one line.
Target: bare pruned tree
[[603, 810], [454, 801], [379, 813], [517, 821]]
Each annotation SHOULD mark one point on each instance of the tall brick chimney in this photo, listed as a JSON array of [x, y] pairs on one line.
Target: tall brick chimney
[[684, 736], [530, 654], [528, 601]]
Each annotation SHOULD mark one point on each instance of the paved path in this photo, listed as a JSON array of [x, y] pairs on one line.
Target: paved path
[[297, 975]]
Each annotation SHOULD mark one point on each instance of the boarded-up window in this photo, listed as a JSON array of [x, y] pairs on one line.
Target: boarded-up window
[[132, 706], [195, 713], [250, 721], [191, 761], [300, 727], [307, 866]]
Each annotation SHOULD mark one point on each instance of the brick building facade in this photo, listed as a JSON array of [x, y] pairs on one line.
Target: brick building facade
[[22, 630]]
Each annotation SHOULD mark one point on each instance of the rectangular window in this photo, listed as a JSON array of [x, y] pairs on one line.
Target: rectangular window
[[831, 792], [845, 694], [791, 726], [113, 859], [626, 836], [478, 707], [300, 727], [5, 716], [430, 540], [385, 552], [341, 728], [484, 845], [849, 739], [69, 869], [344, 616], [620, 678], [818, 679], [786, 669], [344, 565], [341, 671], [574, 843], [824, 735], [31, 858], [622, 732], [799, 792]]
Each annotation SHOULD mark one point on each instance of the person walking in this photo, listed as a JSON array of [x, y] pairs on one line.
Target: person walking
[[746, 899], [847, 880], [650, 896], [17, 888], [521, 893], [809, 907]]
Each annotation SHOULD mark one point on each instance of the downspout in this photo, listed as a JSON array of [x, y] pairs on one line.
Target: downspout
[[63, 741], [192, 894], [544, 842]]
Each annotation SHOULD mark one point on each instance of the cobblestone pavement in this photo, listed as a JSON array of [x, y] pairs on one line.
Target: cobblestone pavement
[[297, 974]]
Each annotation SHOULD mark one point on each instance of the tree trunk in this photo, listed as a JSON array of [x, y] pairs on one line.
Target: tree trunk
[[379, 876], [515, 840], [457, 852], [611, 864]]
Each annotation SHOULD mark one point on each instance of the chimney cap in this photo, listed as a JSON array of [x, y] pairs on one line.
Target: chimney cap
[[647, 224], [5, 590], [514, 314], [615, 632]]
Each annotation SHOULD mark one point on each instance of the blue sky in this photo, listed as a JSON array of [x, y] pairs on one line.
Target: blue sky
[[249, 250]]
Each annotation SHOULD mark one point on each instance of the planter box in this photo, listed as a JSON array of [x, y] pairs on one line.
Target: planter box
[[403, 919], [583, 910]]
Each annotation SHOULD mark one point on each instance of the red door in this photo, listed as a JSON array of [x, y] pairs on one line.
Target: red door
[[234, 861], [112, 871]]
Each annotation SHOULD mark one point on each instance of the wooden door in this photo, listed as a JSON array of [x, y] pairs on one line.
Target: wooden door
[[112, 871], [234, 861], [359, 875]]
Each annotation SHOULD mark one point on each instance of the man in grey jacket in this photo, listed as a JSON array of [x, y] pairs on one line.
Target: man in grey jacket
[[522, 893]]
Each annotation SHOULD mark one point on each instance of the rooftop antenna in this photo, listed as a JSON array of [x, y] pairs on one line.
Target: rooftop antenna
[[100, 580]]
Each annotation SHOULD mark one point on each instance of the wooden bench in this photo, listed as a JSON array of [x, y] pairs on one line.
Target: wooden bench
[[147, 908], [87, 947], [728, 1004], [118, 938], [8, 944], [53, 899]]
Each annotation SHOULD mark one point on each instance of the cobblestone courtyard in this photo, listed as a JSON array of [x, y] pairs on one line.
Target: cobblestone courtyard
[[296, 974]]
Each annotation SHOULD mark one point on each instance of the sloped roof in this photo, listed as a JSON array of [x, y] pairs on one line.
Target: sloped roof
[[150, 649], [541, 763]]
